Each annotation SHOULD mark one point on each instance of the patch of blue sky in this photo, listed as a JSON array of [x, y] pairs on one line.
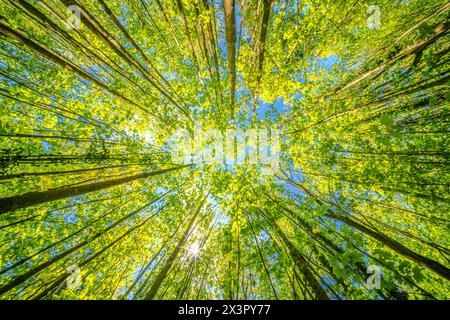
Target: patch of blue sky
[[220, 218], [88, 251], [223, 219], [297, 175], [161, 190], [47, 146], [71, 217], [331, 283], [328, 62], [54, 253], [157, 205], [3, 64], [77, 199], [129, 46], [274, 257], [93, 70], [10, 82], [338, 225], [271, 111], [222, 46], [81, 88], [152, 265], [294, 193], [400, 197], [337, 195], [263, 236], [263, 111], [122, 20], [62, 119], [38, 118], [298, 95], [195, 108], [239, 30], [230, 165]]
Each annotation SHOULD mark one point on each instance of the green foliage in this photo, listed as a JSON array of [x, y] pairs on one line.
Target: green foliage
[[363, 179]]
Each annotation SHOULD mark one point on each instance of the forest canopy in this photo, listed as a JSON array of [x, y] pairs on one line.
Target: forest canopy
[[343, 104]]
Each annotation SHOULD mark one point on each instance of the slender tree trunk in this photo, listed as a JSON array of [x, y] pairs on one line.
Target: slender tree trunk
[[262, 259], [149, 264], [230, 30], [165, 269], [23, 260], [27, 275], [59, 60], [439, 31], [395, 245], [50, 173], [29, 199], [302, 265], [60, 280], [267, 5], [432, 265]]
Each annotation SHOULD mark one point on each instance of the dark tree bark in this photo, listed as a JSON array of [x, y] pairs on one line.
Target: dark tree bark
[[29, 199], [230, 30], [173, 256]]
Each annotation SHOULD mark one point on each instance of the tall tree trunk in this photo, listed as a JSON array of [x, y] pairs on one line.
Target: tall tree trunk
[[262, 259], [302, 265], [61, 279], [50, 173], [267, 5], [29, 199], [57, 59], [165, 269], [396, 246], [27, 275], [230, 30]]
